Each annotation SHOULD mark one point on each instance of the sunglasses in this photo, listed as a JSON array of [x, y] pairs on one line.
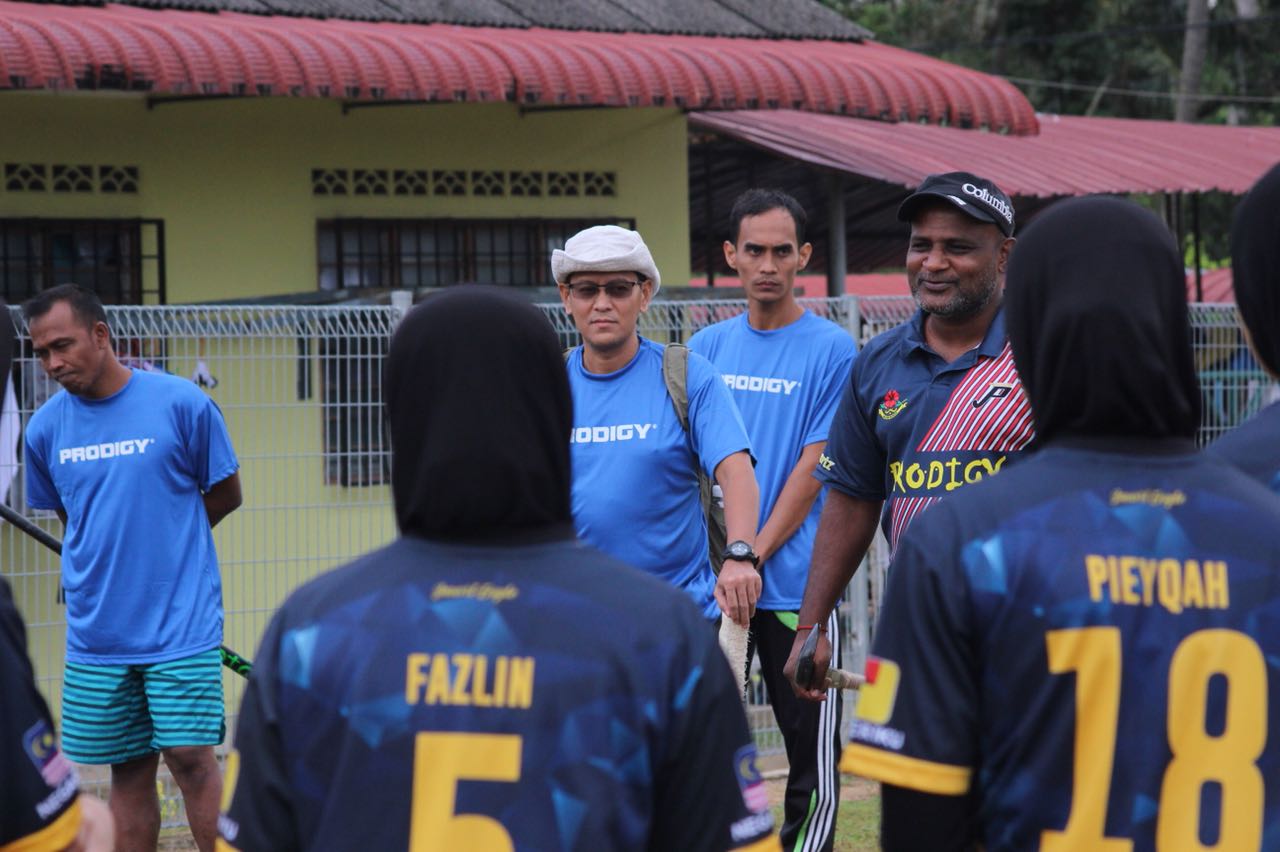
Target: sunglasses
[[615, 290]]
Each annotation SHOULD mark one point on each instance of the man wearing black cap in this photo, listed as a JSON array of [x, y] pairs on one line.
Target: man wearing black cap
[[1255, 258], [931, 405]]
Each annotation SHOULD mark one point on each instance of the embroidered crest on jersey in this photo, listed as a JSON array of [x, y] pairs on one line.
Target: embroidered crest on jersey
[[751, 782], [891, 406], [878, 695]]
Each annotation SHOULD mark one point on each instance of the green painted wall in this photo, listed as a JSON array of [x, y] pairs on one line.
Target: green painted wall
[[232, 178]]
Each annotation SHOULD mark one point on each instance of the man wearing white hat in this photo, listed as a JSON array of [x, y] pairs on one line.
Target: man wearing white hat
[[635, 465]]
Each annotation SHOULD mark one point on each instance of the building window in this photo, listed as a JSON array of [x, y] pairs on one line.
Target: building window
[[122, 260], [357, 448], [411, 253]]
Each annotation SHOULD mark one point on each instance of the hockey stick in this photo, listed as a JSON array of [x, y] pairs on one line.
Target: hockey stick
[[230, 658], [733, 641]]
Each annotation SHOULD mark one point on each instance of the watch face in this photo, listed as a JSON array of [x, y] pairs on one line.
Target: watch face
[[740, 550]]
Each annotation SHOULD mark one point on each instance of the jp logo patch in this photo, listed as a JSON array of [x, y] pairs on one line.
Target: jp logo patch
[[891, 406], [998, 390], [750, 781]]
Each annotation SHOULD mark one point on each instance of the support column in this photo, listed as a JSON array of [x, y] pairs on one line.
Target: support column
[[837, 249]]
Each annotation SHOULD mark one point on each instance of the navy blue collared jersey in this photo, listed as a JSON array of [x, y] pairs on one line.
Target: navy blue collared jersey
[[1254, 447], [464, 697], [912, 428], [1089, 644]]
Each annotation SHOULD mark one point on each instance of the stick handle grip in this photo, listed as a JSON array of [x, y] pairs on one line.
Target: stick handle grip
[[841, 679]]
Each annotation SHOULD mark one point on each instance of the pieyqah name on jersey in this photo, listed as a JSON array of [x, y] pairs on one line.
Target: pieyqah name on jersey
[[610, 434], [109, 450], [761, 384]]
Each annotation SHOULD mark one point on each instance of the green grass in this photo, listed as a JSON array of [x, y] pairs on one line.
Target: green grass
[[857, 825]]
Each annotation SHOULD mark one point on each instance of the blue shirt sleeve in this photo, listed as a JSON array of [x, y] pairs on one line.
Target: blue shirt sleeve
[[209, 449], [715, 425], [854, 462], [840, 360], [41, 493]]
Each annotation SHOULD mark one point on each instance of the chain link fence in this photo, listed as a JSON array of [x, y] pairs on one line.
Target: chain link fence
[[301, 391]]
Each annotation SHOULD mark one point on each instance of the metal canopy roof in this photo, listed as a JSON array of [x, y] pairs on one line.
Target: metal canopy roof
[[1070, 155], [177, 52]]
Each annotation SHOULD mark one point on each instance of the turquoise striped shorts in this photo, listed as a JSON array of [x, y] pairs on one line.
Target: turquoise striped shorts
[[114, 714]]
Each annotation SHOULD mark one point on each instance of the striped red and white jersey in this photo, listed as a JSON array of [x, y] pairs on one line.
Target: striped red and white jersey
[[913, 428]]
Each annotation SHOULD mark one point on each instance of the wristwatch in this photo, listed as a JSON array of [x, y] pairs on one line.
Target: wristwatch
[[740, 551]]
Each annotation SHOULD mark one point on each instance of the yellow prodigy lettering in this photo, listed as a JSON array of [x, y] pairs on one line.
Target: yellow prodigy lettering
[[469, 680], [1171, 583], [950, 474]]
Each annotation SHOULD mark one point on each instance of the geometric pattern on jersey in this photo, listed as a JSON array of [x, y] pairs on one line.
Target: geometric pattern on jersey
[[1022, 570], [592, 732], [988, 411]]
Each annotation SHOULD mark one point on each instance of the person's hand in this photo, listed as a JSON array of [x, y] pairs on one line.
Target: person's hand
[[737, 590], [821, 660], [97, 828]]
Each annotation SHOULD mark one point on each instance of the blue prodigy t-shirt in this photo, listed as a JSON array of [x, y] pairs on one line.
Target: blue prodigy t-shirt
[[635, 490], [787, 383], [138, 563]]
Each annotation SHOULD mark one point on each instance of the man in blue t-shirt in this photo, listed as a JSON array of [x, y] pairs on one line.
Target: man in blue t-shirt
[[635, 480], [139, 467], [487, 681], [931, 405], [1255, 257], [786, 368]]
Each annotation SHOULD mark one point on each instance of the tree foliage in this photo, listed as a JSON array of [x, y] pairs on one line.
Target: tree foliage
[[1097, 57]]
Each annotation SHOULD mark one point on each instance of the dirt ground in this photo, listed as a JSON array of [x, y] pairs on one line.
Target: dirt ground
[[851, 789]]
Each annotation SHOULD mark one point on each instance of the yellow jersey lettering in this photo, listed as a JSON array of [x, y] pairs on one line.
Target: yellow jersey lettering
[[1192, 587], [952, 482], [935, 475], [1096, 569], [415, 677], [1128, 589], [895, 470], [459, 694], [520, 683], [479, 674], [915, 476], [971, 472], [1177, 585], [467, 680], [1215, 585]]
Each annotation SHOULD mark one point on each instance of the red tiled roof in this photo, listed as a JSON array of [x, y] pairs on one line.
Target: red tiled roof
[[1071, 155], [175, 52]]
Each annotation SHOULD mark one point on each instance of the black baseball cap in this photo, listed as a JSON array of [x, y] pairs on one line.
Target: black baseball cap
[[970, 194]]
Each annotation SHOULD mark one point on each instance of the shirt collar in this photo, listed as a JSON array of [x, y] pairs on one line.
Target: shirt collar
[[991, 345]]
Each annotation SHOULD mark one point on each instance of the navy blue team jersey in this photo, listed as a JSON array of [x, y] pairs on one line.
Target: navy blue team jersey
[[440, 696], [1254, 447], [1090, 645], [912, 428]]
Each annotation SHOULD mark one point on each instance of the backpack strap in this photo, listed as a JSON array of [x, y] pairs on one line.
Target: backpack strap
[[675, 375]]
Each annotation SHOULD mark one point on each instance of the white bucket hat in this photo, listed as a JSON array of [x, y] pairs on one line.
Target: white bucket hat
[[604, 248]]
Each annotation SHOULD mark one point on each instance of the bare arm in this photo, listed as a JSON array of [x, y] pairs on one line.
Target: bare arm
[[738, 586], [845, 532], [223, 498], [793, 503]]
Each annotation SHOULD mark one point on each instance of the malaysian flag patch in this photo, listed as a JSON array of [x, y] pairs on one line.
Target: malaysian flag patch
[[751, 782], [41, 746]]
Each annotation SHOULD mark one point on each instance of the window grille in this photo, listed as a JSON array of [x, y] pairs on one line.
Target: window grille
[[122, 260]]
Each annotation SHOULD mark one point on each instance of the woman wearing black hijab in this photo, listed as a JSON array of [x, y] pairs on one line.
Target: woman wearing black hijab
[[1254, 447], [486, 680], [1061, 644]]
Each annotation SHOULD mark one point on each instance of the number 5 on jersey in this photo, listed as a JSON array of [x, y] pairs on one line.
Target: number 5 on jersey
[[440, 761]]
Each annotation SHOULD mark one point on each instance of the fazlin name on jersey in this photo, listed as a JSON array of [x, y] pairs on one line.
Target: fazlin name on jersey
[[610, 434], [469, 680]]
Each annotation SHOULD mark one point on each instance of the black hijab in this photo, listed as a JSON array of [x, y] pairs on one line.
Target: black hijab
[[1255, 262], [480, 413], [1095, 304]]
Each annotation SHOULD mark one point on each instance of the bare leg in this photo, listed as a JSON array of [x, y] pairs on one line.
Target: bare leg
[[134, 804], [195, 768]]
